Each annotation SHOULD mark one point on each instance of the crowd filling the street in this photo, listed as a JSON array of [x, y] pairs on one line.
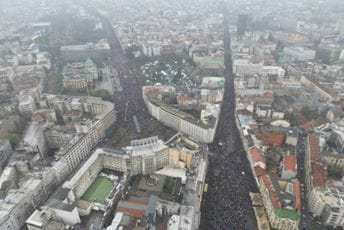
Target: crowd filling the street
[[172, 115], [227, 203]]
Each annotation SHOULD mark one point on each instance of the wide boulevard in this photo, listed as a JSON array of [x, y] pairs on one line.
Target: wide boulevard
[[227, 204]]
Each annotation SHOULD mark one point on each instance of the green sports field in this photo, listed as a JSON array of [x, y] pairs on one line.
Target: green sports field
[[99, 190]]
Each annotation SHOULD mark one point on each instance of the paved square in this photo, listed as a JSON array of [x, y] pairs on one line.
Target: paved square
[[144, 184]]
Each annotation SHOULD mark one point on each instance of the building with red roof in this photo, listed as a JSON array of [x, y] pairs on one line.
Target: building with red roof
[[134, 208], [297, 194], [289, 166], [259, 171], [272, 138], [280, 202], [315, 173], [314, 170], [309, 125], [318, 174], [256, 157], [314, 149], [270, 190], [257, 162]]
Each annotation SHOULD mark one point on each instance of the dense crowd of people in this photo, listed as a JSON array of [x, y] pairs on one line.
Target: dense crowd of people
[[227, 204], [128, 102]]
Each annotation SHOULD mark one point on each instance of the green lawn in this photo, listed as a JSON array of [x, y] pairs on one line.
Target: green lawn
[[99, 190], [285, 213]]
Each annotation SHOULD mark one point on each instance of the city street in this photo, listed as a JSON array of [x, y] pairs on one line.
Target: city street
[[172, 115], [306, 221], [128, 101], [227, 204]]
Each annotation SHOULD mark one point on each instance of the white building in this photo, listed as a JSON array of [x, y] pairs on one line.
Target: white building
[[244, 67], [5, 152], [19, 204], [200, 130], [34, 140], [321, 91], [184, 122], [101, 158], [273, 70], [148, 155], [27, 106], [328, 205], [43, 220], [81, 145], [97, 51], [283, 218], [299, 53]]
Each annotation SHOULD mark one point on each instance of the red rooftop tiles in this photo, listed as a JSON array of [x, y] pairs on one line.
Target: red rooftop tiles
[[272, 193], [256, 154], [272, 138], [313, 141], [297, 194], [289, 162], [309, 124], [318, 174], [259, 171]]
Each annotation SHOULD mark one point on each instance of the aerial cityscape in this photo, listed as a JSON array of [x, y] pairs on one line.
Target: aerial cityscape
[[172, 115]]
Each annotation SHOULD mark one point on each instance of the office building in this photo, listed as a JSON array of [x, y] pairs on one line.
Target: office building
[[298, 54]]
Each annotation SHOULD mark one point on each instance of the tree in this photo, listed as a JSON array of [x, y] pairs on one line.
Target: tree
[[14, 138]]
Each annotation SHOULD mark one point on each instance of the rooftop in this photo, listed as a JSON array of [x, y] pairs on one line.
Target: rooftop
[[314, 150], [185, 116], [318, 174], [297, 194], [88, 46], [38, 218], [133, 207], [272, 192], [282, 192], [289, 162], [256, 154], [77, 70], [309, 124], [57, 204], [259, 171], [146, 146], [272, 138], [256, 199]]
